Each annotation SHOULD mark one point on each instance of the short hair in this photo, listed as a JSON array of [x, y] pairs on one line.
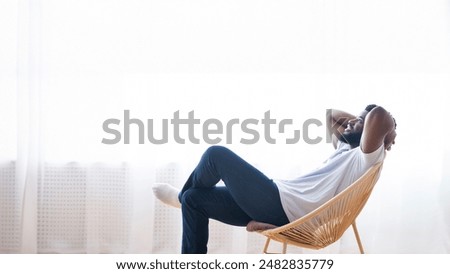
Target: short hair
[[370, 107]]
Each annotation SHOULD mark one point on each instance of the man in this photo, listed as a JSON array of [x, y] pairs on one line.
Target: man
[[248, 195]]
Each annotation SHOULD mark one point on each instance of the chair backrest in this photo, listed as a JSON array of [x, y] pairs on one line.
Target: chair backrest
[[326, 224]]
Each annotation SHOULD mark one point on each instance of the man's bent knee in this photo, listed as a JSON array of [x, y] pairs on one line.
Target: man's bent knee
[[216, 152]]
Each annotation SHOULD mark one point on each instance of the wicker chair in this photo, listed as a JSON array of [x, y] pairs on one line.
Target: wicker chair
[[326, 224]]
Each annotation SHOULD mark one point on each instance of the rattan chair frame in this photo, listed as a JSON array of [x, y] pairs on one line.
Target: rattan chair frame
[[326, 224]]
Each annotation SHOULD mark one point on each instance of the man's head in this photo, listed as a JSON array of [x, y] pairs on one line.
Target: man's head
[[353, 132]]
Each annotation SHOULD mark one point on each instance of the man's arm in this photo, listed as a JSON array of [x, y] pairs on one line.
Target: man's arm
[[379, 129], [337, 122]]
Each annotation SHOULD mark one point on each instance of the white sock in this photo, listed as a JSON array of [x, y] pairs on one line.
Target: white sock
[[167, 194]]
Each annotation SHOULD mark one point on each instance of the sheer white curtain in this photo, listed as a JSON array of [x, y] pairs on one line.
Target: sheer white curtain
[[67, 66]]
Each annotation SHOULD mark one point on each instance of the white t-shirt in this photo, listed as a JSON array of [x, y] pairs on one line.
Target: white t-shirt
[[306, 193]]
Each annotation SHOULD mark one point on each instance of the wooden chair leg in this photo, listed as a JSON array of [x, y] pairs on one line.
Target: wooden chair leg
[[355, 229], [284, 248], [266, 246]]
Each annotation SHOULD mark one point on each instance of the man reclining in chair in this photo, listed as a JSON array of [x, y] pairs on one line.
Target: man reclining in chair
[[251, 199]]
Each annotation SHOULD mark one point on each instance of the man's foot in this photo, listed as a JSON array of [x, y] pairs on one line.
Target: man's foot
[[258, 226], [167, 194]]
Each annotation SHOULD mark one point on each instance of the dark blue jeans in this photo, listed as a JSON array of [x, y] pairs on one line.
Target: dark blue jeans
[[247, 195]]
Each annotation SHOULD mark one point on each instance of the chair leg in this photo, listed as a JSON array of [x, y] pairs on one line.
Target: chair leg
[[284, 248], [266, 246], [355, 229]]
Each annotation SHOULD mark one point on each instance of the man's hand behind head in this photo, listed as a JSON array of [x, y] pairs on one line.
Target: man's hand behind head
[[389, 140]]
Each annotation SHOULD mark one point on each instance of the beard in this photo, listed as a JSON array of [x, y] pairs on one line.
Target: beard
[[351, 138]]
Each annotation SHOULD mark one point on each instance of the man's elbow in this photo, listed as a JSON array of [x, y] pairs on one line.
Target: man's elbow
[[378, 110], [382, 118]]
